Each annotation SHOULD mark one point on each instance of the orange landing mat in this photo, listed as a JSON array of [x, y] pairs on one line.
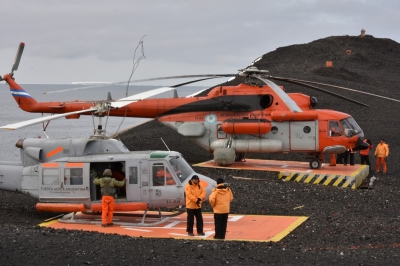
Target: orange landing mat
[[240, 227], [350, 176], [279, 166]]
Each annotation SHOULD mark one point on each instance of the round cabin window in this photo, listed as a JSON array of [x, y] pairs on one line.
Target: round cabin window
[[307, 129], [266, 101]]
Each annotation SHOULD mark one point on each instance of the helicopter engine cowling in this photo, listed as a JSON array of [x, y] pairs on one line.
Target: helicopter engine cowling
[[249, 145], [35, 152], [246, 126]]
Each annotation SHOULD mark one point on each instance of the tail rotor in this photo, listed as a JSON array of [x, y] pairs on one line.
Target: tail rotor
[[16, 60], [18, 57]]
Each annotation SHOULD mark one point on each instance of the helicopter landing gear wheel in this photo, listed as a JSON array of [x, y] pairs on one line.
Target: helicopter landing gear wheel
[[315, 164]]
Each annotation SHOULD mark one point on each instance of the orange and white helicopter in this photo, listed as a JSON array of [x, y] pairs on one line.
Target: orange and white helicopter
[[256, 116]]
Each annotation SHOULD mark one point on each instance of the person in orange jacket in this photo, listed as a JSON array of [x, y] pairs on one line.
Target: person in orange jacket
[[195, 195], [107, 184], [220, 200], [381, 154], [364, 154]]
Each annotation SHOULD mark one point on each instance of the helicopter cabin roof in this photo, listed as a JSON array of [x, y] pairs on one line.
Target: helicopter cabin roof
[[331, 114], [133, 155]]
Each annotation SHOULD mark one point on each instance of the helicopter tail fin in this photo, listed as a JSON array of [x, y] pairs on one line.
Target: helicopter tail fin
[[23, 99]]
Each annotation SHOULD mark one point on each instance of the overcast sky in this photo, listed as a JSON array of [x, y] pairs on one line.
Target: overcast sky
[[94, 40]]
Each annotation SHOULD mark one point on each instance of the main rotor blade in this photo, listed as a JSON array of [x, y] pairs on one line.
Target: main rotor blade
[[18, 56], [289, 102], [187, 76], [344, 88], [88, 87], [143, 95], [117, 83], [193, 81], [43, 119], [137, 97], [320, 89], [196, 93]]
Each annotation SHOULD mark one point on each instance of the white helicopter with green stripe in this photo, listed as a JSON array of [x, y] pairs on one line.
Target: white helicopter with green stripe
[[59, 173]]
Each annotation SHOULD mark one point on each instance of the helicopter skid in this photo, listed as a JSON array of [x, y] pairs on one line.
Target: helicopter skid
[[126, 218]]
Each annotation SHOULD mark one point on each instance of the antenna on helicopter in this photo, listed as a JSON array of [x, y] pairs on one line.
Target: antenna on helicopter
[[135, 65], [165, 144]]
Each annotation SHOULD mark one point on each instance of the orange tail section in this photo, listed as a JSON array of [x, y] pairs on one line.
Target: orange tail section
[[23, 99]]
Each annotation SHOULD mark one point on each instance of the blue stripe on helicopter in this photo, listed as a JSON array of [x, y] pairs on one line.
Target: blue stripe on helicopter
[[20, 93]]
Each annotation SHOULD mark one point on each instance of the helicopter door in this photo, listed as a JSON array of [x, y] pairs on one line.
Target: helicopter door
[[303, 135], [164, 190], [51, 184], [76, 181], [64, 182], [135, 181]]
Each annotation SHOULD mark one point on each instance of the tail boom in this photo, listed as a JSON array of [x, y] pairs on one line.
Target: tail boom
[[23, 99]]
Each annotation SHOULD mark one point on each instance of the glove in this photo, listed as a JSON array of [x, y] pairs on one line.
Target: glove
[[198, 202]]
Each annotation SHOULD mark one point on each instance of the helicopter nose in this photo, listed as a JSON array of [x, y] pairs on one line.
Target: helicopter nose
[[208, 184], [360, 145]]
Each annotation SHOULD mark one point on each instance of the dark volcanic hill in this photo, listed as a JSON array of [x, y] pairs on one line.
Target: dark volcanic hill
[[345, 227]]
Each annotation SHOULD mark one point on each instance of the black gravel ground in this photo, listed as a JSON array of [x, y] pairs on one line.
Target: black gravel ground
[[345, 226]]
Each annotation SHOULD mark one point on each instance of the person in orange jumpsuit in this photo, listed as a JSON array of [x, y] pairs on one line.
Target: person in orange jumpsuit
[[220, 200], [381, 154], [364, 154], [107, 185], [333, 133], [195, 195]]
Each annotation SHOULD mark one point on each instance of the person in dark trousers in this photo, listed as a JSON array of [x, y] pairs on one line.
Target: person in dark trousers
[[220, 200], [339, 158], [107, 185], [345, 157], [364, 154], [195, 195]]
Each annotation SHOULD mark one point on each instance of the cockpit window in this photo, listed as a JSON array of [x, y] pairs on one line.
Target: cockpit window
[[181, 167], [351, 127], [334, 129]]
